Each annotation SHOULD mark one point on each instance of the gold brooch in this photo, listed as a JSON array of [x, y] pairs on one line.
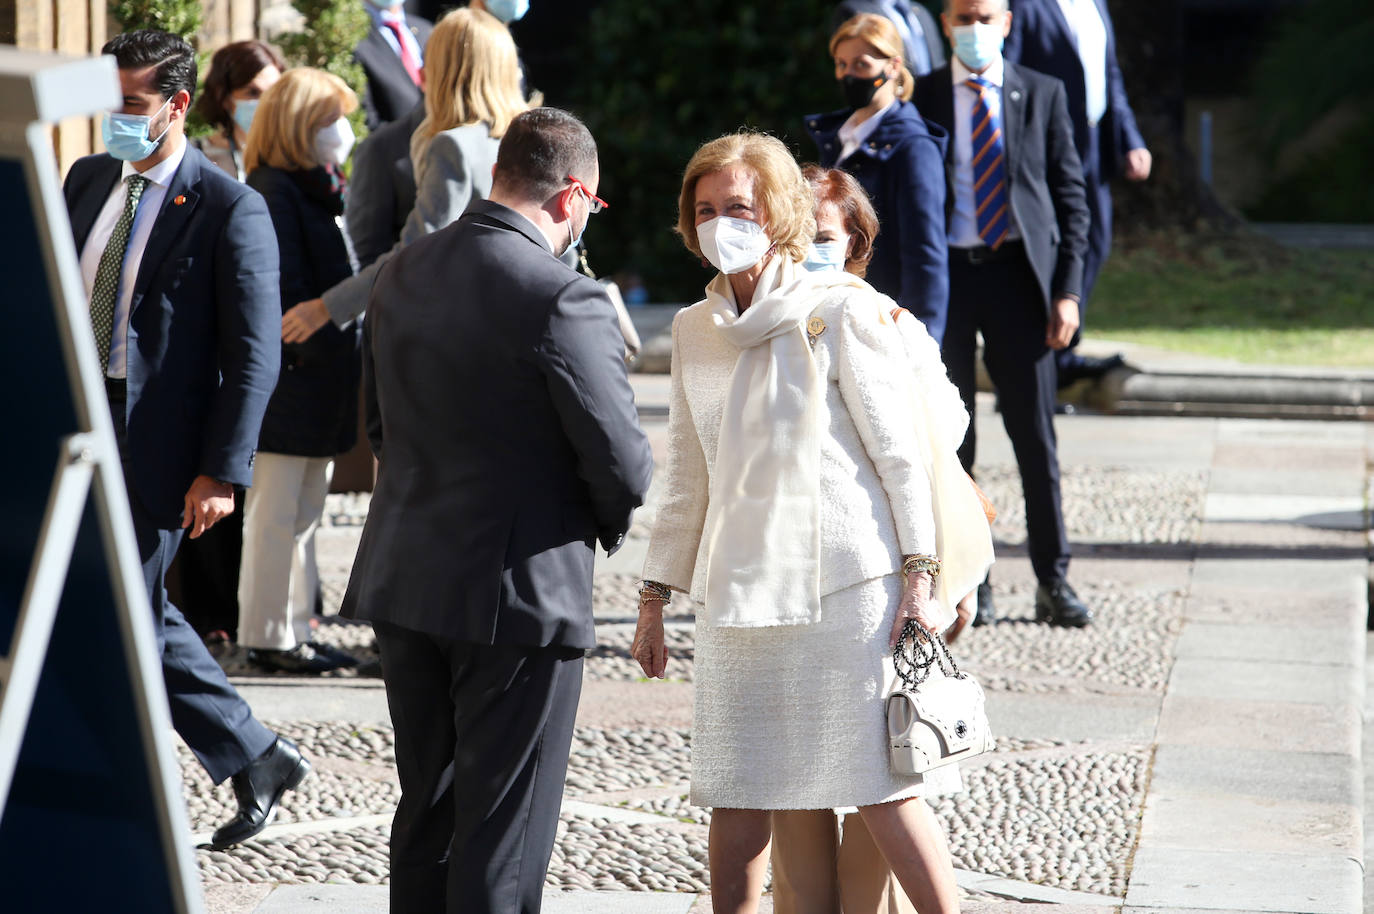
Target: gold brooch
[[179, 199], [814, 328]]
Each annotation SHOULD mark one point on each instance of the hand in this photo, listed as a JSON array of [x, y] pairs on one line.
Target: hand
[[915, 601], [300, 323], [964, 612], [1063, 323], [648, 647], [1138, 163], [207, 501]]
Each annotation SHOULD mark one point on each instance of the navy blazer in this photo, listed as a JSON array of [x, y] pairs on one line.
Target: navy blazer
[[204, 328], [1048, 200], [314, 409], [901, 168], [1040, 39], [505, 423]]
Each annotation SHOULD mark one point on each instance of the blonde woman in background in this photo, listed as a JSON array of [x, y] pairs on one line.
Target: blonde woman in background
[[795, 505], [299, 141], [472, 93]]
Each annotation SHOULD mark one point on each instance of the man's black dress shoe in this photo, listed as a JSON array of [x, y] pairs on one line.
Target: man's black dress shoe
[[987, 614], [1057, 604], [259, 788], [301, 659], [1080, 367]]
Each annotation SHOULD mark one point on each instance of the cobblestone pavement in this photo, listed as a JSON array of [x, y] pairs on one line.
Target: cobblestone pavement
[[1053, 813]]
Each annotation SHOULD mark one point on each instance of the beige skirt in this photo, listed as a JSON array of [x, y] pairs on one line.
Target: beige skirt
[[793, 716]]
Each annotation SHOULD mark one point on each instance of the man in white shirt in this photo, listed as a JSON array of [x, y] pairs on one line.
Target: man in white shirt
[[180, 264], [1073, 41], [392, 56], [1017, 230]]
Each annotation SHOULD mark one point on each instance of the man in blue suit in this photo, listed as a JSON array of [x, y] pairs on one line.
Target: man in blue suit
[[180, 264], [1073, 41]]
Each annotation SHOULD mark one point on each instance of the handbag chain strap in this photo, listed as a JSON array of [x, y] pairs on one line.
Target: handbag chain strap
[[927, 650]]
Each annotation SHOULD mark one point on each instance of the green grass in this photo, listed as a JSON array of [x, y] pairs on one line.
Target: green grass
[[1240, 298]]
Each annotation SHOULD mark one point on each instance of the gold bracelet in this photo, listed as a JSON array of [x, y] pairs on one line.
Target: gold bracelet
[[915, 564], [653, 590]]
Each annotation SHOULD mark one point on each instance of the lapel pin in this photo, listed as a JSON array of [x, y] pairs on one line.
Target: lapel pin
[[1016, 95], [179, 199]]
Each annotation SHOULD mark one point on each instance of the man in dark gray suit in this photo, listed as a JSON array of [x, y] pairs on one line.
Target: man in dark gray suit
[[1017, 224], [509, 444]]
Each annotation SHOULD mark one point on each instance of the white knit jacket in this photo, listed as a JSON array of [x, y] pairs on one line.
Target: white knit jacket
[[875, 495]]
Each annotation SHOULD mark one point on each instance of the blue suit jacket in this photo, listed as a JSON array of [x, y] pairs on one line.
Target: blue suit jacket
[[204, 328], [1040, 39], [901, 166]]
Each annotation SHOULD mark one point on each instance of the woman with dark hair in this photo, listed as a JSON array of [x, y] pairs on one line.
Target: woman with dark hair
[[239, 74]]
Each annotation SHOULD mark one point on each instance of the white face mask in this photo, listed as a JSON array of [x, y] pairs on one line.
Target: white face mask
[[828, 255], [333, 143], [732, 245]]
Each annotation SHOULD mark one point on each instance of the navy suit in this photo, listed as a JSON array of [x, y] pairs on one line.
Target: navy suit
[[900, 166], [203, 354], [1007, 294], [1041, 39]]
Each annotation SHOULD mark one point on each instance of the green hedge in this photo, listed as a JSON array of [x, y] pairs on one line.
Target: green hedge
[[660, 79]]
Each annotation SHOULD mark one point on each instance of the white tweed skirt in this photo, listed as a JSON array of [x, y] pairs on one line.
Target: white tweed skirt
[[793, 716]]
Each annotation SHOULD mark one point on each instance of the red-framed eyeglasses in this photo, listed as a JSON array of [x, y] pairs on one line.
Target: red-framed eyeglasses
[[595, 204]]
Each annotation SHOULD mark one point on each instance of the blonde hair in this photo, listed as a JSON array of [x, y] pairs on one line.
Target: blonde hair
[[781, 194], [472, 74], [291, 112], [882, 35]]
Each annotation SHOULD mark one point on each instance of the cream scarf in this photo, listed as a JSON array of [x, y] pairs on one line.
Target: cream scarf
[[764, 531]]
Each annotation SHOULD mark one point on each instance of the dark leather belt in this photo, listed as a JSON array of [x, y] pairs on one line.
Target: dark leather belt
[[984, 254], [116, 389]]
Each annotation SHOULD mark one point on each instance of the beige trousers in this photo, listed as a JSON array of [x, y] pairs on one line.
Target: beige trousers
[[826, 864], [278, 576]]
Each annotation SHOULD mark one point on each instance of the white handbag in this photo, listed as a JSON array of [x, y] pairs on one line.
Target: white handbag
[[939, 716]]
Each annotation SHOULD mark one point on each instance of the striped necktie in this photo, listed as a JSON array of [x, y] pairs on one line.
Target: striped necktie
[[989, 168], [106, 288]]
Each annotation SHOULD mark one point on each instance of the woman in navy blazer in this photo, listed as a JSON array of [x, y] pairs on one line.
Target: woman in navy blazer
[[298, 141], [898, 157]]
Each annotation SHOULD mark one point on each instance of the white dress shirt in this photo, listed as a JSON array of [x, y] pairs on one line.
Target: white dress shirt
[[1090, 34], [149, 205], [853, 134], [963, 221]]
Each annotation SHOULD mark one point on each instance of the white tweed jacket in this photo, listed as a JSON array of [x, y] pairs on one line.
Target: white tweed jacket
[[875, 494]]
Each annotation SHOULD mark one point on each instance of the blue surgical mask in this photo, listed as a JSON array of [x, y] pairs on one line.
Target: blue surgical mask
[[243, 113], [828, 255], [979, 44], [126, 135], [507, 10]]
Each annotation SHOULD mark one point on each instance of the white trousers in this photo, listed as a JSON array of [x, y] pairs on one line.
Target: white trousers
[[278, 576]]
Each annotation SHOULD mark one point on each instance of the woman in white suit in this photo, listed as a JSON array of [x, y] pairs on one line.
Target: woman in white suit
[[797, 509]]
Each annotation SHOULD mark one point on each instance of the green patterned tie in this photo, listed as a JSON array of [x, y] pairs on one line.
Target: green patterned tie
[[106, 288]]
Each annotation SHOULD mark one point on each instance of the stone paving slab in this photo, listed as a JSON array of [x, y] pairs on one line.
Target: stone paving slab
[[1166, 877], [1246, 480], [1330, 512], [1252, 823], [337, 899], [1266, 776], [1260, 641], [1222, 723], [1252, 680]]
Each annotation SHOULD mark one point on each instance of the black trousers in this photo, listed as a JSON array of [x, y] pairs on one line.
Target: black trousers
[[482, 740], [1002, 299], [207, 711]]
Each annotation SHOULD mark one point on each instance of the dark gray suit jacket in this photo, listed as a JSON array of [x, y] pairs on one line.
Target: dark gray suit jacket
[[1048, 201], [390, 93], [382, 190], [507, 433]]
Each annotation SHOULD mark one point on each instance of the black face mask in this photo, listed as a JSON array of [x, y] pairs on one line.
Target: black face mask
[[859, 90]]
